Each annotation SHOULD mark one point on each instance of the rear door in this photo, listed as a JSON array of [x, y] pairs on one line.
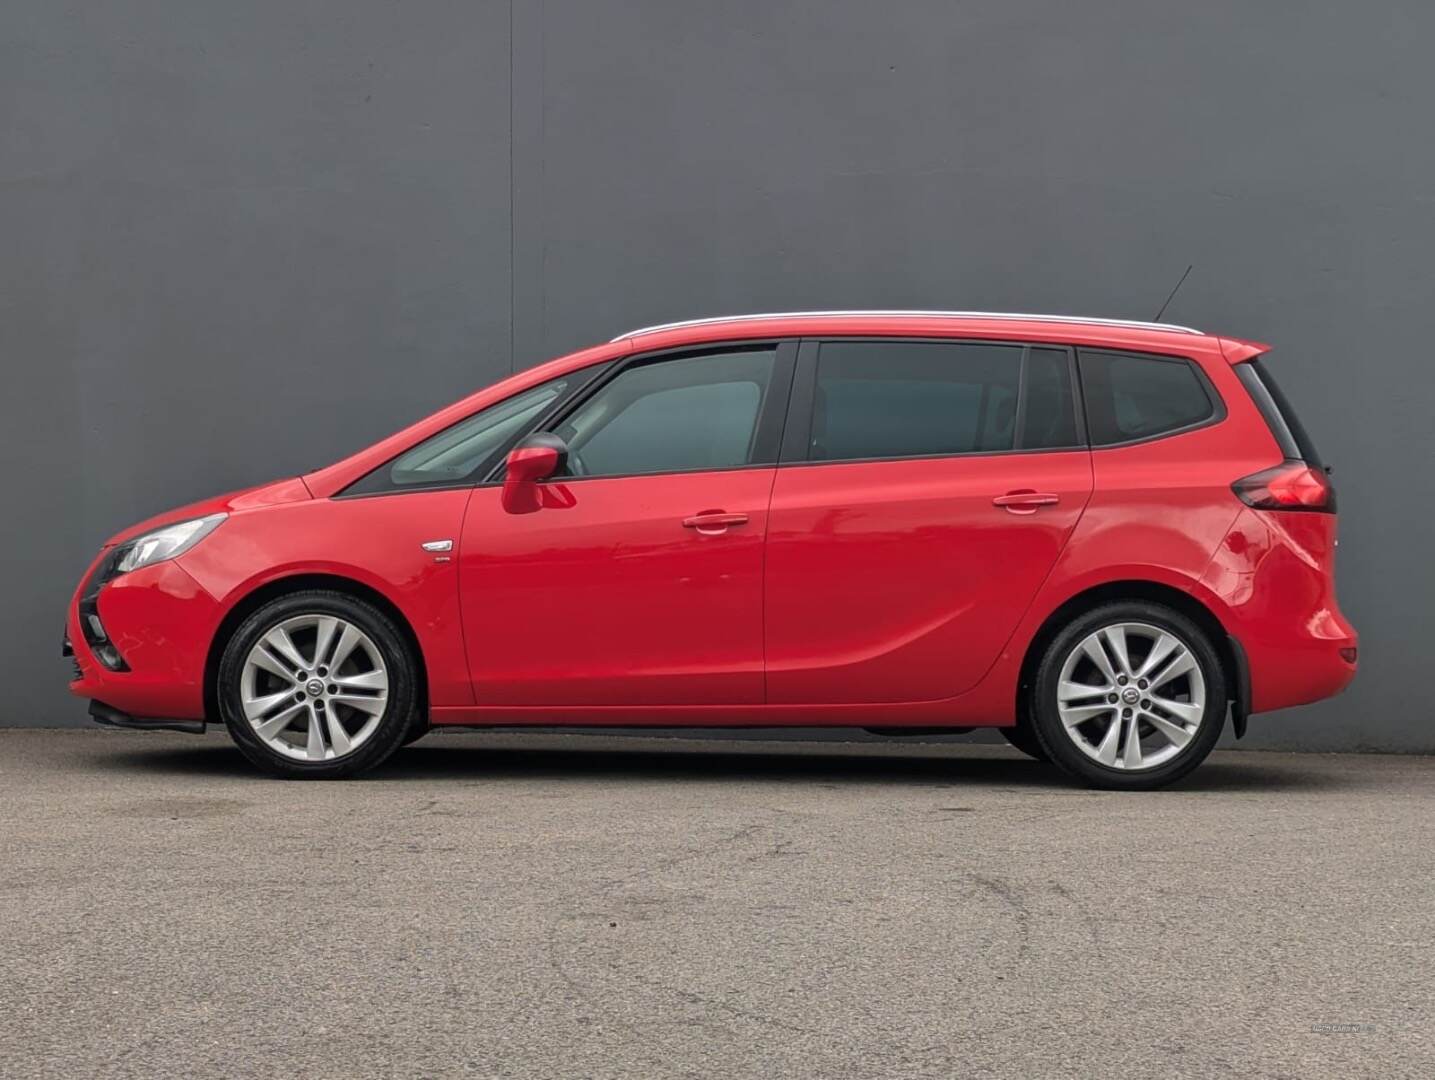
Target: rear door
[[926, 490]]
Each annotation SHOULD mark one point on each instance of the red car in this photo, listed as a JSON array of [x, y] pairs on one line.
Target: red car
[[1101, 537]]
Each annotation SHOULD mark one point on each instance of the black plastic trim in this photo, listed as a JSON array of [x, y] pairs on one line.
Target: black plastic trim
[[1241, 700], [112, 717]]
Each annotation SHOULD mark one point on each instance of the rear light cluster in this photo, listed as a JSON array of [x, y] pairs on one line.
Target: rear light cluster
[[1291, 485]]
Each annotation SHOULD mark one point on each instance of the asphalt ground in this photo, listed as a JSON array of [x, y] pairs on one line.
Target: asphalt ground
[[540, 905]]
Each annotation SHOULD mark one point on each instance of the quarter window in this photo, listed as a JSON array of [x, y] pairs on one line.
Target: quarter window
[[1132, 397], [466, 451], [695, 413]]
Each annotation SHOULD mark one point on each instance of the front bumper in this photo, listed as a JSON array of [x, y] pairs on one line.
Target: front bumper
[[161, 622]]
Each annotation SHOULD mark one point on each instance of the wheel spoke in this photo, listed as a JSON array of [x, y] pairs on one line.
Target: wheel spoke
[[315, 746], [261, 658], [256, 708], [1116, 642], [1184, 711], [1075, 715], [1075, 691], [374, 706], [323, 638], [1164, 647], [368, 680], [1175, 734], [279, 640], [348, 639], [1110, 742], [271, 728], [337, 735], [1097, 655], [1131, 751], [1182, 663]]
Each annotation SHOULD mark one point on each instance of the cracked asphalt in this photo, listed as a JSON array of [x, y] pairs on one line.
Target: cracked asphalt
[[541, 905]]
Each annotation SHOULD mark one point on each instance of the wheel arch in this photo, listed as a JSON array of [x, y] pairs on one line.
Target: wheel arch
[[1228, 649], [284, 586]]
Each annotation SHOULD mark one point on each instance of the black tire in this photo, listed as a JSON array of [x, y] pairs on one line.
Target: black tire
[[398, 721], [1021, 737], [1062, 749]]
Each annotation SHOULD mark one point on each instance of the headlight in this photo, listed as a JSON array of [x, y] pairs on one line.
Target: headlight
[[164, 543]]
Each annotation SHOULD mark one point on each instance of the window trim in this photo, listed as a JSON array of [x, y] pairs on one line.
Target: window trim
[[770, 422], [1213, 396], [796, 443]]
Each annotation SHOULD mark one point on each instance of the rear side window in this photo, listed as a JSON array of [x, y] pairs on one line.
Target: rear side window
[[1295, 442], [1131, 396], [893, 399]]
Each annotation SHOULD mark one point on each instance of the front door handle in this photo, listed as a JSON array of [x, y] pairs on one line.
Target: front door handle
[[712, 522], [1025, 502]]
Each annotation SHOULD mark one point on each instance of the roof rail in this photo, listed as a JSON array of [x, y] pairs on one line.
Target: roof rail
[[1133, 323]]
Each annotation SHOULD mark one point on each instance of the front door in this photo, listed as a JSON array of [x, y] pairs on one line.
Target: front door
[[636, 579], [934, 486]]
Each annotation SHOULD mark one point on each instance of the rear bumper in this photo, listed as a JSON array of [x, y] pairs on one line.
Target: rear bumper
[[1274, 572], [161, 622]]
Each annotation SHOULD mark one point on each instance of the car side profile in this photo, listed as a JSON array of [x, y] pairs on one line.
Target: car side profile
[[1102, 537]]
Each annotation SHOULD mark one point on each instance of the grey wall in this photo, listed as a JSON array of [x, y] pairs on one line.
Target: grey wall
[[240, 240]]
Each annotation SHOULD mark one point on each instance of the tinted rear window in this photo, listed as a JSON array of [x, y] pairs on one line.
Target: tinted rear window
[[888, 399], [1281, 418], [1131, 396]]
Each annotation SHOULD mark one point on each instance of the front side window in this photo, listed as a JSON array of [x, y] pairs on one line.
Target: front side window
[[693, 413], [895, 399], [1130, 397], [466, 451]]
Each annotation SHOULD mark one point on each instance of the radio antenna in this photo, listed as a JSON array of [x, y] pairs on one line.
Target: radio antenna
[[1174, 292]]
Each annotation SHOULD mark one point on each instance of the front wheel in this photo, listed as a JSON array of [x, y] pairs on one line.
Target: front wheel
[[317, 685], [1131, 695]]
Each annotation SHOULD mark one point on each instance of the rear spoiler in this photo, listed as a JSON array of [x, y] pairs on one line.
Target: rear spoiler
[[1238, 350]]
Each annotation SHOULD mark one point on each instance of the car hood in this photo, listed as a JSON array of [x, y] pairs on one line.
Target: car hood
[[253, 498]]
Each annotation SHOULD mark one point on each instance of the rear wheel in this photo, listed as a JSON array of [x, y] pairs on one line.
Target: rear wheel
[[317, 685], [1129, 695]]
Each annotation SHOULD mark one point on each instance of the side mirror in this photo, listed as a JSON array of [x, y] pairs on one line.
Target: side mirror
[[536, 458]]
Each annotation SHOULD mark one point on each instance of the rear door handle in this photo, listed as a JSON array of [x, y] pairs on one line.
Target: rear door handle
[[712, 522], [1025, 502]]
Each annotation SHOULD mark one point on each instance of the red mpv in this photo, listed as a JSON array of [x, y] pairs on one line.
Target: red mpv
[[1101, 537]]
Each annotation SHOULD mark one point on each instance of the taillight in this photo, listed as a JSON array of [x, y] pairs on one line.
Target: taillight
[[1291, 485]]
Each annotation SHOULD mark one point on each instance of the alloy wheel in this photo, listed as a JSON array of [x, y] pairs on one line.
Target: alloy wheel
[[1131, 696], [314, 687]]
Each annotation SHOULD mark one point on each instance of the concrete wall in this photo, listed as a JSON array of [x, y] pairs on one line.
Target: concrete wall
[[241, 240]]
